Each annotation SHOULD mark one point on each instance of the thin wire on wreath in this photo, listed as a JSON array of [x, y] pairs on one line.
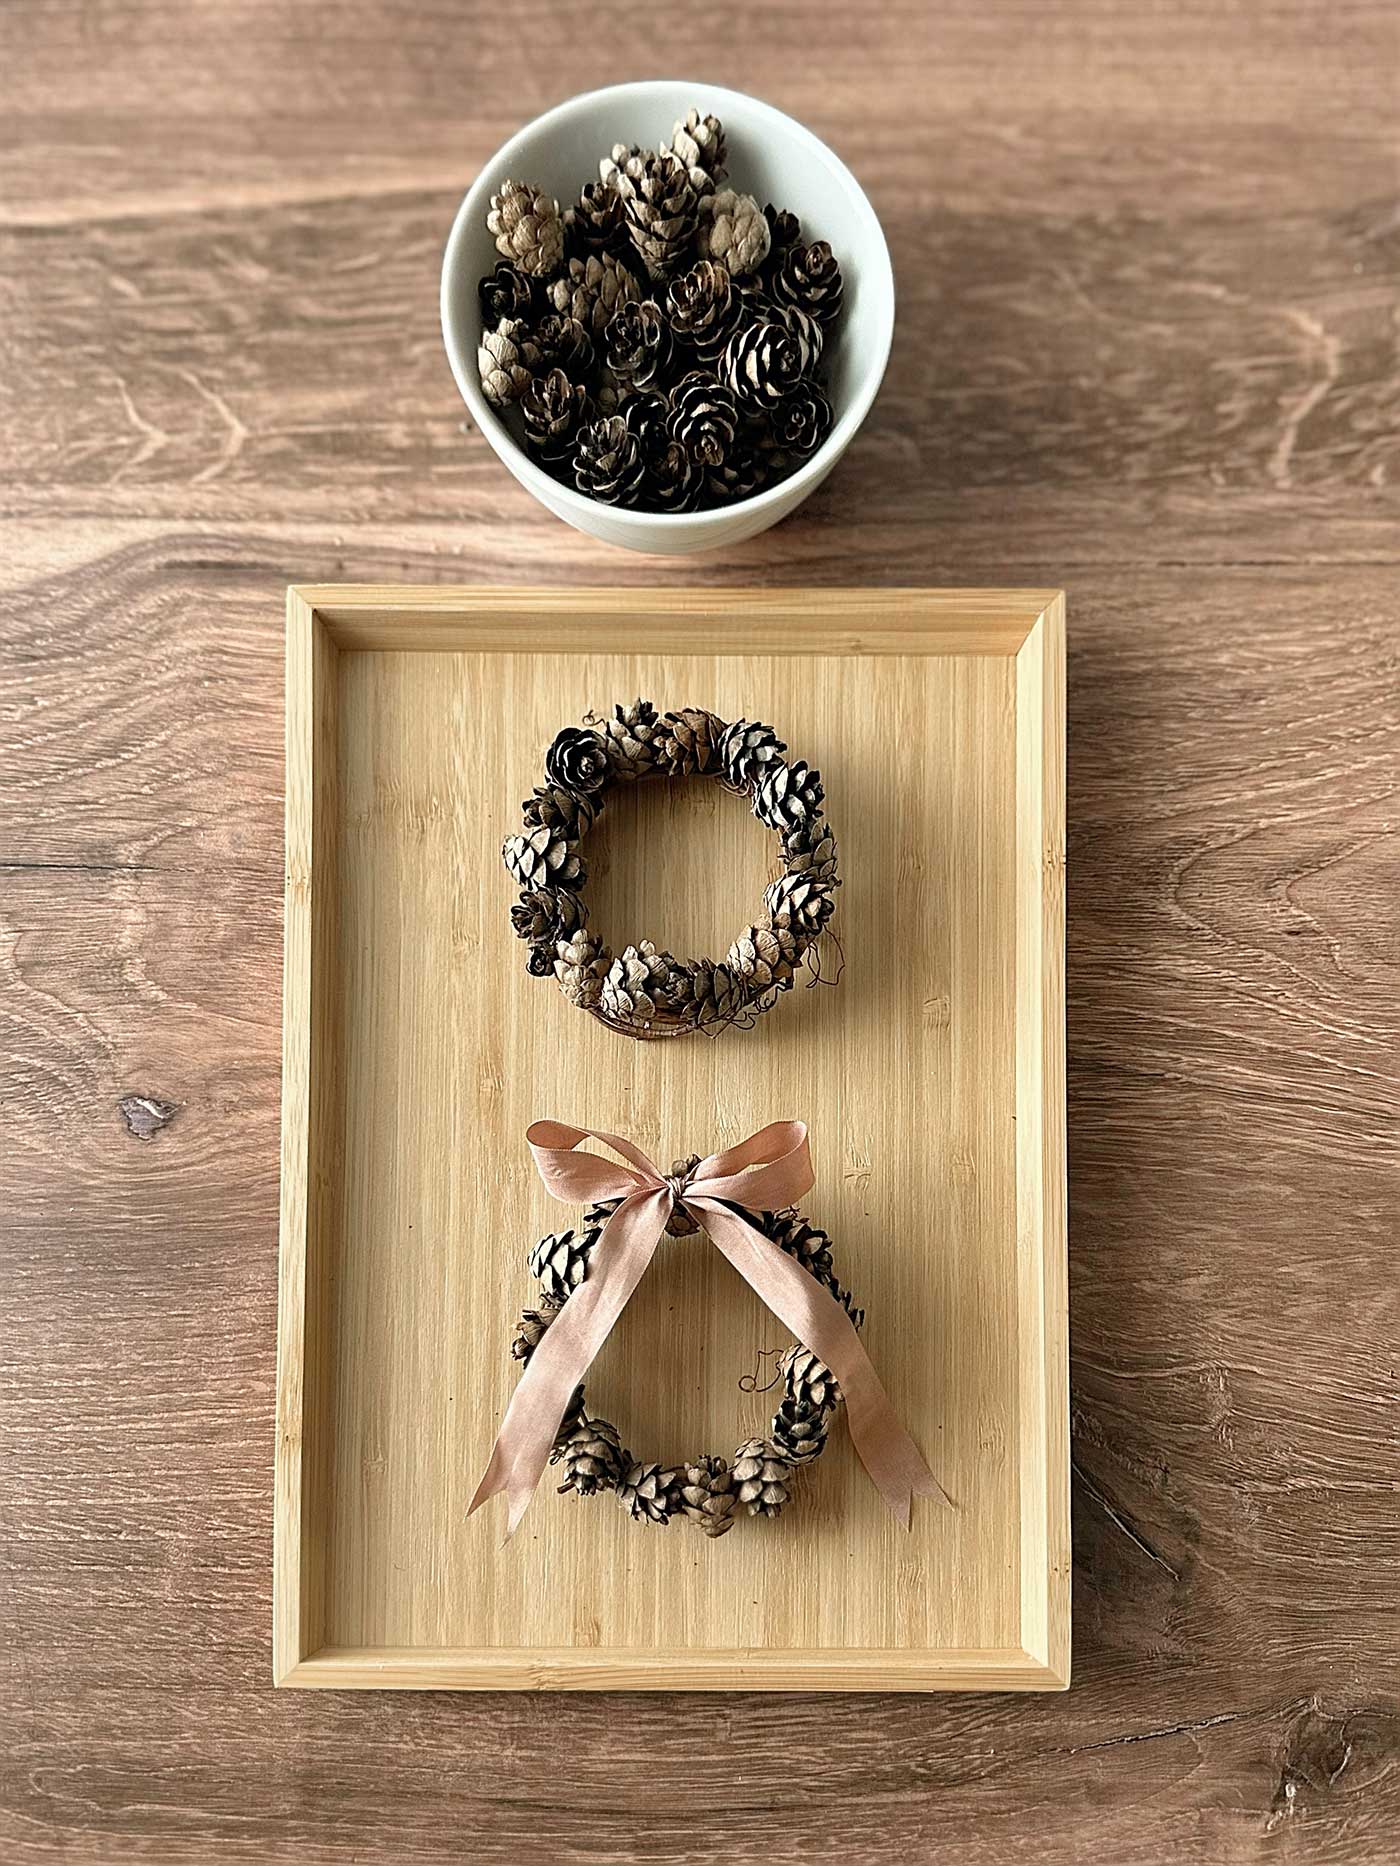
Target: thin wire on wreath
[[748, 1383]]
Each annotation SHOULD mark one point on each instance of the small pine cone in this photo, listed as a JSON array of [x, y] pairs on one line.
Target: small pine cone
[[552, 407], [559, 1263], [733, 230], [784, 230], [503, 370], [707, 1495], [805, 332], [810, 278], [680, 1224], [790, 945], [542, 858], [675, 482], [592, 1457], [852, 1308], [798, 1431], [801, 422], [648, 1493], [642, 985], [717, 995], [559, 806], [577, 761], [645, 412], [609, 395], [704, 418], [630, 736], [679, 999], [608, 463], [592, 289], [611, 167], [738, 476], [788, 795], [699, 142], [810, 849], [755, 304], [581, 964], [558, 341], [817, 864], [811, 1247], [598, 1214], [595, 223], [762, 365], [572, 1417], [799, 904], [809, 1381], [527, 228], [661, 207], [760, 1478], [505, 292], [689, 745], [638, 344], [703, 309], [543, 916], [530, 1330], [747, 751], [759, 957]]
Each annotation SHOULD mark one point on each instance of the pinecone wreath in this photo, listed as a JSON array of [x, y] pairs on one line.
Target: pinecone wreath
[[673, 303], [642, 992], [713, 1491]]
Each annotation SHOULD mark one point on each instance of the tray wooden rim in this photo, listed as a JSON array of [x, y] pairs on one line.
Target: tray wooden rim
[[1025, 626]]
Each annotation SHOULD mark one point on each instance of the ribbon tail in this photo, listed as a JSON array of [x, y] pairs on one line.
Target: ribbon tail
[[567, 1350], [894, 1462], [496, 1477]]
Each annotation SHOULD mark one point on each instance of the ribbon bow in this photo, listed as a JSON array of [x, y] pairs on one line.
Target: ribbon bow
[[768, 1171]]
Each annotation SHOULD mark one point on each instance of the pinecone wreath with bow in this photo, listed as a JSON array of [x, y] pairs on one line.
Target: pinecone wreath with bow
[[644, 992], [672, 303], [712, 1492]]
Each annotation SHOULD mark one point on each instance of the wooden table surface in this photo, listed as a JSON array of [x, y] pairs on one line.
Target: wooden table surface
[[1147, 262]]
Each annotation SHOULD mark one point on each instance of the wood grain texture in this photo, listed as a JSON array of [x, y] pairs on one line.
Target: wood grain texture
[[1147, 262], [417, 1052]]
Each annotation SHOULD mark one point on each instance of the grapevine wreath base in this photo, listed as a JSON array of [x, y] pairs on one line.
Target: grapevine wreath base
[[642, 992], [712, 1490]]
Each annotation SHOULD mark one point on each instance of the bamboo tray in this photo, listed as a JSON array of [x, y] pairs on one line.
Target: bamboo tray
[[417, 1050]]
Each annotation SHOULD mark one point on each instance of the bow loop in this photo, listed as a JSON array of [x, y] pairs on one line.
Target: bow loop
[[585, 1178], [769, 1170]]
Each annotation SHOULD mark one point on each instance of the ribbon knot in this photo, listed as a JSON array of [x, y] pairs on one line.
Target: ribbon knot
[[769, 1171], [681, 1224]]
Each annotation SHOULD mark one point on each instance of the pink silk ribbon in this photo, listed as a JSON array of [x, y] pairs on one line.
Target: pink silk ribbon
[[766, 1172]]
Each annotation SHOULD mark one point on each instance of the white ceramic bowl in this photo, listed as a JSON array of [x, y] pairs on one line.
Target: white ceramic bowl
[[770, 157]]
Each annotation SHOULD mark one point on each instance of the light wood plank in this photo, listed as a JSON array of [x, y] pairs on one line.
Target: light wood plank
[[806, 622], [486, 1668], [932, 1191]]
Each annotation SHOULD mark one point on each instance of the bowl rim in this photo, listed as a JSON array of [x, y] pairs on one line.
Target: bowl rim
[[461, 356]]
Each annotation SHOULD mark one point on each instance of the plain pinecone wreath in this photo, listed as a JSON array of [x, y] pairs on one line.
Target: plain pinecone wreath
[[642, 992], [758, 1478]]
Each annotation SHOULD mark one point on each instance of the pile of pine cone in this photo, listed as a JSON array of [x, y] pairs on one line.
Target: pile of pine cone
[[758, 1479], [661, 337]]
